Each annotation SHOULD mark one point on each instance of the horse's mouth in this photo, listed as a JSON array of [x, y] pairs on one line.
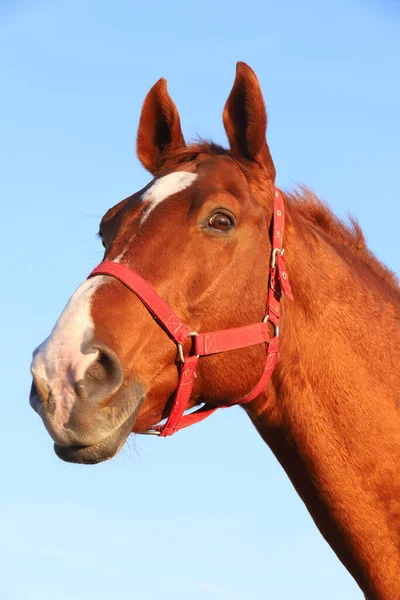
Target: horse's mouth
[[91, 437], [90, 455], [103, 450]]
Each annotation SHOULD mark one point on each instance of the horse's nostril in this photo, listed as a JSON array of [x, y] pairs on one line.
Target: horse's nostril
[[39, 389], [99, 369], [35, 400], [33, 396], [106, 364], [102, 378]]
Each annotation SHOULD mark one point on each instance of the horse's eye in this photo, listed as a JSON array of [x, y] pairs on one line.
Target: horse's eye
[[220, 222]]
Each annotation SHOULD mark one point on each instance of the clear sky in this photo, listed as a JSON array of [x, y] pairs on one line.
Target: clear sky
[[208, 513]]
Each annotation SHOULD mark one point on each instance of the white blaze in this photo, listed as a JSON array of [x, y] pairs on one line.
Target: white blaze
[[59, 360], [163, 188]]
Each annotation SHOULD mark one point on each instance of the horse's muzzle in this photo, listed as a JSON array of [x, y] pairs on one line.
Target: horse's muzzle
[[88, 418]]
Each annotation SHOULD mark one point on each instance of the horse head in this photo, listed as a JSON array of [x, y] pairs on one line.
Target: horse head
[[198, 233]]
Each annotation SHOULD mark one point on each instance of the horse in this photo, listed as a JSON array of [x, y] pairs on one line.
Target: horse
[[194, 307]]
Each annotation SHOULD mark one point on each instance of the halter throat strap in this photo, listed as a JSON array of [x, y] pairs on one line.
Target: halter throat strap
[[204, 344]]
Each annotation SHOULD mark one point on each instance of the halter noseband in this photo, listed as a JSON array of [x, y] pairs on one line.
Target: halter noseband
[[217, 341]]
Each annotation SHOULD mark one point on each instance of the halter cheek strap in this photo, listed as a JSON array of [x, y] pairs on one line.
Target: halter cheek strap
[[213, 342]]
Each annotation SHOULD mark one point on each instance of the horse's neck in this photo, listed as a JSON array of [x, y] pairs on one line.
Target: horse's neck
[[331, 414]]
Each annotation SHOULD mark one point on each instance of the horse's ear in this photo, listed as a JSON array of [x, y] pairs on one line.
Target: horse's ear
[[159, 128], [245, 119]]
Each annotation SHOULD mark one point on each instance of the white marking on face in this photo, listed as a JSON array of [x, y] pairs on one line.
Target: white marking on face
[[59, 360], [163, 188], [160, 190]]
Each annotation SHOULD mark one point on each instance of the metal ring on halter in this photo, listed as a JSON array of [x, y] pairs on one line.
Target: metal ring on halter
[[276, 327], [150, 432], [181, 356], [193, 334], [273, 256]]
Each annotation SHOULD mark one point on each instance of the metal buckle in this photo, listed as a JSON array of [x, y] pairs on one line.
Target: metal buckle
[[150, 432], [273, 256], [276, 327], [181, 356]]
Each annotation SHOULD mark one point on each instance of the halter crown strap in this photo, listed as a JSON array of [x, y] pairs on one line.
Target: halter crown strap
[[216, 341]]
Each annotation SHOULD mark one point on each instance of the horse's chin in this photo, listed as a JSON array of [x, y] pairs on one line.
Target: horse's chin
[[87, 455], [103, 450]]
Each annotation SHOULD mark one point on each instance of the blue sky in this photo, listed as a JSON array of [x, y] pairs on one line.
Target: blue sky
[[208, 513]]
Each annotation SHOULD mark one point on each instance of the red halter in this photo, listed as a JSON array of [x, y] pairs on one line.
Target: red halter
[[216, 341]]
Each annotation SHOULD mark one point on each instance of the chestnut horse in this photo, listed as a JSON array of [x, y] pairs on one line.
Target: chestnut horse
[[198, 236]]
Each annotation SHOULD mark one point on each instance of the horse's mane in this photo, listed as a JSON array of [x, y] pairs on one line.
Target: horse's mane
[[308, 205], [317, 212]]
